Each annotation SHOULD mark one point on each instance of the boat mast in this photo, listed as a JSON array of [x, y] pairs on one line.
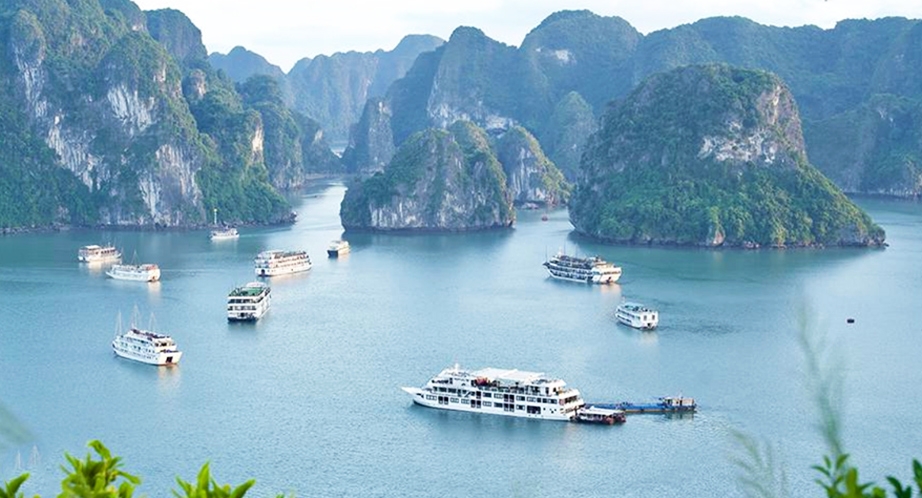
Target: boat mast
[[215, 216]]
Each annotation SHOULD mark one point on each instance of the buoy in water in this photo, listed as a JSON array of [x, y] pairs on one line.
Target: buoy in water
[[543, 217], [850, 320]]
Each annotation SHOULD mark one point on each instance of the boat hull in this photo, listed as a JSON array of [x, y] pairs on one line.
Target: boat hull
[[159, 359], [287, 270], [637, 323], [590, 279], [420, 398], [233, 316], [152, 276]]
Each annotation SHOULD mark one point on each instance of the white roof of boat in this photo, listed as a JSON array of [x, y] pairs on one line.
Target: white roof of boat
[[595, 410], [508, 375]]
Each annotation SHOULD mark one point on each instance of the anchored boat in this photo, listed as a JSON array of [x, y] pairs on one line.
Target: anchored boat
[[637, 316], [272, 263], [248, 302], [338, 248], [145, 346], [593, 270], [513, 393], [137, 273], [98, 254]]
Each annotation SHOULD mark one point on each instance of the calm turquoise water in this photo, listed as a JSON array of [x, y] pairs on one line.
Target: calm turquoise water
[[308, 400]]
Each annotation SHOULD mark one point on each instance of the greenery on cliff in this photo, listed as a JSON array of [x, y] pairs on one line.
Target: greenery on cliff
[[830, 72], [710, 155], [109, 115], [437, 180], [530, 176], [875, 148]]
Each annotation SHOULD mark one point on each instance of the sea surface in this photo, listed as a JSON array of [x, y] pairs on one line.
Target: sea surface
[[308, 400]]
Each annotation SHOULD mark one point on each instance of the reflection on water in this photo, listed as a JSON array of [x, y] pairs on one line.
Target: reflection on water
[[169, 377]]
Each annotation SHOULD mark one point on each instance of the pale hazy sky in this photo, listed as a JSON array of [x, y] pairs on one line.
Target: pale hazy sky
[[286, 31]]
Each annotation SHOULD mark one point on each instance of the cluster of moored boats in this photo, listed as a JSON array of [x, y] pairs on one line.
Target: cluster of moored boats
[[534, 395], [248, 302], [489, 390], [595, 270], [95, 254]]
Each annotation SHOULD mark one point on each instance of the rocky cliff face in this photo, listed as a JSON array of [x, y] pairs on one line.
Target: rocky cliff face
[[119, 143], [371, 145], [710, 155], [565, 133], [295, 147], [438, 180], [876, 148], [602, 58], [97, 131], [530, 176], [182, 39]]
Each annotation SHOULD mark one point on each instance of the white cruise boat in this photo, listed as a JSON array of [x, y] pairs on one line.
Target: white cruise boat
[[338, 248], [272, 263], [593, 270], [496, 391], [637, 316], [224, 234], [248, 302], [138, 273], [146, 346], [98, 254]]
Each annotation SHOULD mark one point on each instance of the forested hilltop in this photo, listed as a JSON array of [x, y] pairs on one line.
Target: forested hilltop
[[726, 167], [112, 115], [859, 76]]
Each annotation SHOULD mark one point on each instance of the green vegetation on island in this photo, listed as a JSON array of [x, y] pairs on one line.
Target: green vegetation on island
[[438, 180], [829, 71], [710, 155]]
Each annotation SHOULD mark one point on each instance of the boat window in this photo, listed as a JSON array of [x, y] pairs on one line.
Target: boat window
[[487, 403], [520, 398], [530, 399], [455, 400], [487, 395]]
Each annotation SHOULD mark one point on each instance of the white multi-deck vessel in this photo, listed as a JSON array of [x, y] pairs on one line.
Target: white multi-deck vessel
[[272, 263], [338, 248], [504, 392], [138, 273], [248, 302], [593, 270], [98, 254], [224, 234], [146, 346], [637, 316]]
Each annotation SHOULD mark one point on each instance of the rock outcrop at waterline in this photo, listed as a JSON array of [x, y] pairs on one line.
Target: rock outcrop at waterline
[[438, 180], [710, 155], [530, 176]]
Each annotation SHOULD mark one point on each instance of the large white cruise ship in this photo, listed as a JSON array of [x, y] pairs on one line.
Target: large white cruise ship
[[147, 347], [272, 263], [497, 391], [138, 273], [593, 270], [248, 302], [98, 254]]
